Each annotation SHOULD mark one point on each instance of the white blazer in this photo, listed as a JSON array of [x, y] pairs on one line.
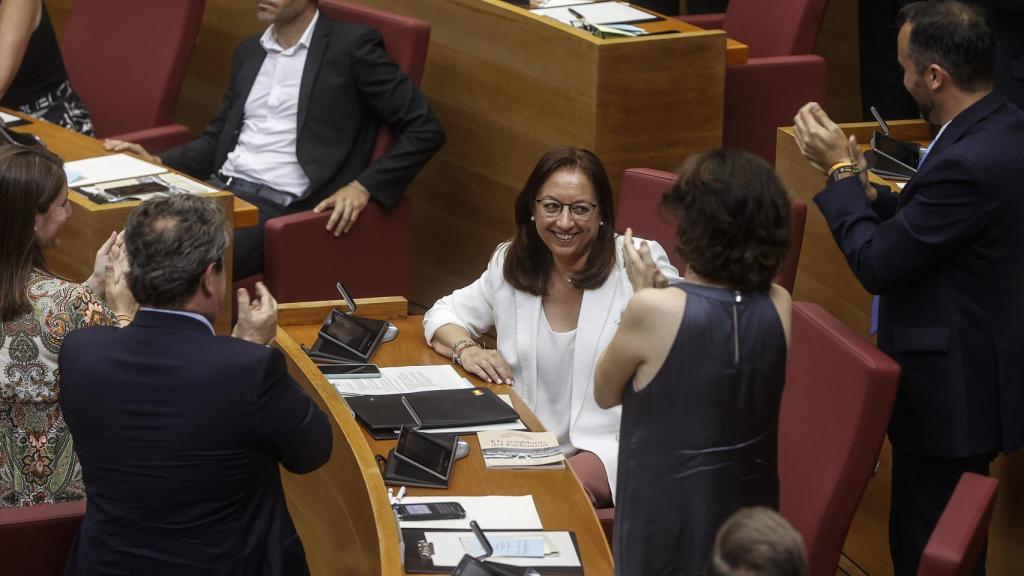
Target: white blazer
[[491, 301]]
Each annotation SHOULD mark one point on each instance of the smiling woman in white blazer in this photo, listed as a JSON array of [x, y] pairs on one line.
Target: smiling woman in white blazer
[[554, 294]]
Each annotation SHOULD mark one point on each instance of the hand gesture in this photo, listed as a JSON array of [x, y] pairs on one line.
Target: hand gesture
[[117, 295], [346, 204], [640, 266], [257, 319], [137, 149], [97, 279], [820, 140], [487, 364]]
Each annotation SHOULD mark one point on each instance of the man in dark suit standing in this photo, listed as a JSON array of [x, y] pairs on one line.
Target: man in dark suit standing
[[298, 123], [946, 257], [181, 432]]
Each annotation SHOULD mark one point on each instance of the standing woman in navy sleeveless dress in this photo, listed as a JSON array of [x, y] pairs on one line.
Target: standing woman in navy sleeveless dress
[[699, 369], [32, 75]]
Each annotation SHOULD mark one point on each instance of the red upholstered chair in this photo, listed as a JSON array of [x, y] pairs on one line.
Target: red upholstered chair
[[839, 395], [36, 539], [301, 260], [781, 74], [127, 61], [639, 198], [957, 540]]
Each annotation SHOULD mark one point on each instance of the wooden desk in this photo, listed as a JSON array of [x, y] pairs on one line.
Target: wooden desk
[[824, 277], [91, 224], [509, 85], [341, 510]]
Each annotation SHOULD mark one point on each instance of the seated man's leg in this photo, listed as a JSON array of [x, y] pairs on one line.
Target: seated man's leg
[[594, 478], [248, 242]]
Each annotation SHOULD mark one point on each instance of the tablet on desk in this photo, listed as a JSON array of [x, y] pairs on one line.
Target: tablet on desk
[[358, 336]]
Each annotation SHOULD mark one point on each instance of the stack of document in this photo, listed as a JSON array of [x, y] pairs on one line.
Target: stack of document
[[100, 177], [595, 13], [491, 512], [402, 380]]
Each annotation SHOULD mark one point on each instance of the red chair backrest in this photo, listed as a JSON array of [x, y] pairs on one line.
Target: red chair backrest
[[405, 40], [956, 542], [836, 405], [638, 208], [37, 539], [775, 27], [127, 59]]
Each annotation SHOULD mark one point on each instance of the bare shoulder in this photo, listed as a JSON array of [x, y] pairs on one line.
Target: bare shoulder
[[654, 301], [783, 303]]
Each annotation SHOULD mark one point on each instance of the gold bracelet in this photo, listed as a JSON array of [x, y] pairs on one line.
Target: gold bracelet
[[837, 166], [457, 352]]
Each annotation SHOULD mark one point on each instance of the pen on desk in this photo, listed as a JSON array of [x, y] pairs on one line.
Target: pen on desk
[[576, 15]]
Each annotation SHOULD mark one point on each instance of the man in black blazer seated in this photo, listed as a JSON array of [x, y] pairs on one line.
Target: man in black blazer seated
[[297, 126], [181, 432], [946, 257]]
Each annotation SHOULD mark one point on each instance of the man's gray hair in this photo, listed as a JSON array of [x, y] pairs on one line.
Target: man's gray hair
[[170, 242]]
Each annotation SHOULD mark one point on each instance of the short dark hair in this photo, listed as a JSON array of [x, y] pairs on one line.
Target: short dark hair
[[30, 180], [757, 542], [528, 263], [732, 218], [170, 242], [955, 36]]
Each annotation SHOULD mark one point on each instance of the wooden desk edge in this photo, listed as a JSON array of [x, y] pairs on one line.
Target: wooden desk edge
[[736, 51], [299, 313], [384, 519]]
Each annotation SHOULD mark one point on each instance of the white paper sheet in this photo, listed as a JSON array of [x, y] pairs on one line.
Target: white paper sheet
[[8, 118], [448, 549], [557, 3], [598, 13], [113, 167], [491, 512], [402, 380]]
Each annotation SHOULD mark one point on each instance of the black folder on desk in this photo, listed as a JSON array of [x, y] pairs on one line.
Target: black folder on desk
[[418, 558], [384, 415]]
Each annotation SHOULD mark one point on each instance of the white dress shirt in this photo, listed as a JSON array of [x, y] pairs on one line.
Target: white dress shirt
[[265, 152]]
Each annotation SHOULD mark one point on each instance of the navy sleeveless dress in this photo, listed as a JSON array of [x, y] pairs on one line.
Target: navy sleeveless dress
[[699, 441]]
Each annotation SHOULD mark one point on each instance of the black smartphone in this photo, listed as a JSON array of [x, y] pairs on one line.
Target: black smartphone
[[350, 370], [430, 511], [135, 189], [905, 153]]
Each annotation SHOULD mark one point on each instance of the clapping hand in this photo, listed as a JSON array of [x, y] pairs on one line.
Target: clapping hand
[[824, 144], [257, 318], [104, 256], [117, 294], [640, 266]]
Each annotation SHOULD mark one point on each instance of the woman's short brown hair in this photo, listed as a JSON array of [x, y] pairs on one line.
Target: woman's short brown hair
[[528, 262], [733, 218], [30, 180], [757, 542]]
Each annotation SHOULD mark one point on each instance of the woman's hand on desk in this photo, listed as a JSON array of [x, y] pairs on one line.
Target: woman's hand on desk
[[137, 149], [487, 364]]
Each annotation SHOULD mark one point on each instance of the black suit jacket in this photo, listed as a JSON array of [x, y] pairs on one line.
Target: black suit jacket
[[349, 86], [180, 434], [946, 257]]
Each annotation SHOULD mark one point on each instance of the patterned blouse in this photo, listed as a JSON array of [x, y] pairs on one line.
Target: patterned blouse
[[38, 463]]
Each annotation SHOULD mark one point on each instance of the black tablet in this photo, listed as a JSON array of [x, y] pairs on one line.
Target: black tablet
[[433, 453], [357, 335]]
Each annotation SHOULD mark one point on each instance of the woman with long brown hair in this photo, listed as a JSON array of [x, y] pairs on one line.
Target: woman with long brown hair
[[554, 293], [37, 310]]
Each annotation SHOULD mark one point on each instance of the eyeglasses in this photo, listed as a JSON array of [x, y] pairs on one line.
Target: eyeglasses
[[579, 211]]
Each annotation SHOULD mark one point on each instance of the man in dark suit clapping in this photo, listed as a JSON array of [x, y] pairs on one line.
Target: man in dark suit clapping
[[181, 432], [946, 257]]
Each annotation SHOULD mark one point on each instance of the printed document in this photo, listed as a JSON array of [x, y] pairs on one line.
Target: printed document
[[598, 13], [491, 512], [107, 168], [402, 380]]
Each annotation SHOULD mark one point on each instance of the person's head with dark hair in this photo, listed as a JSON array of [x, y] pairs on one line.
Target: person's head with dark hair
[[757, 542], [33, 207], [176, 247], [565, 223], [733, 218], [945, 47]]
